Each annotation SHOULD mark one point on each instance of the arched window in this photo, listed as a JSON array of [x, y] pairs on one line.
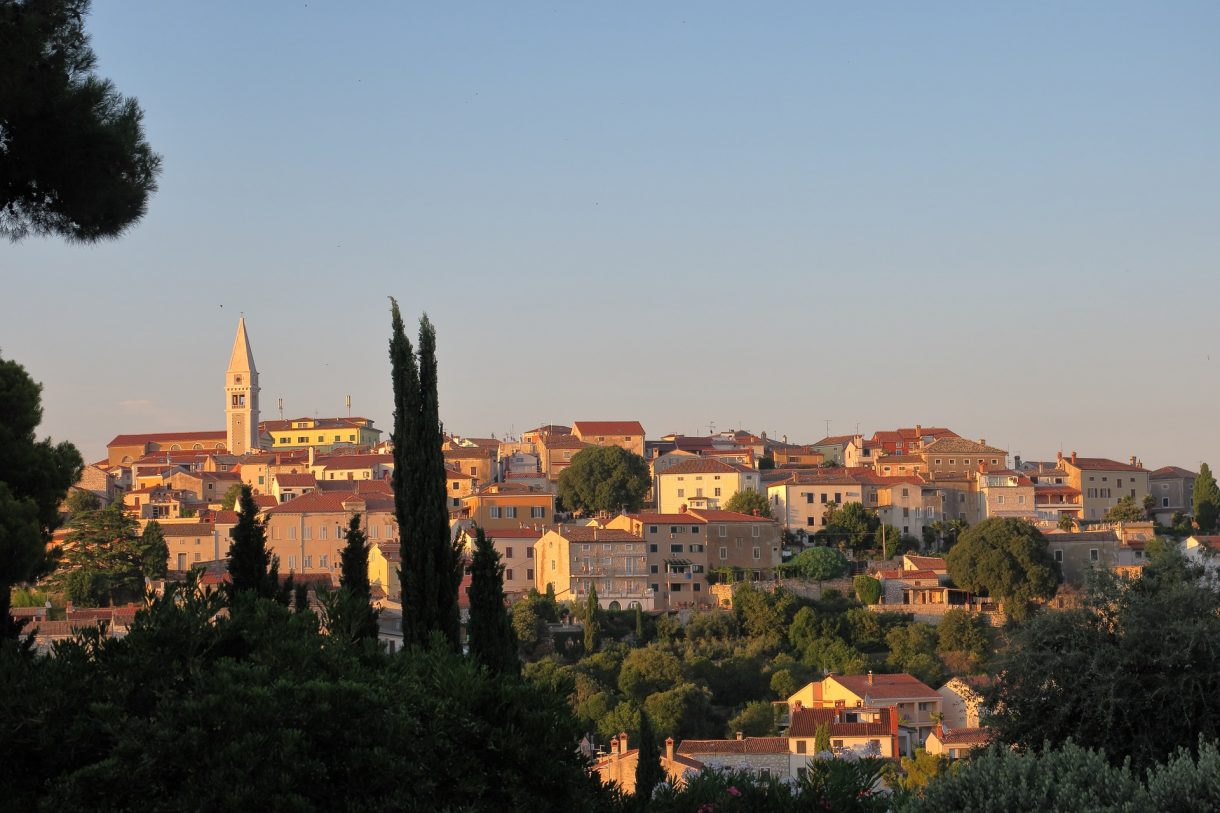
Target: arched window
[[197, 446], [175, 447], [614, 606]]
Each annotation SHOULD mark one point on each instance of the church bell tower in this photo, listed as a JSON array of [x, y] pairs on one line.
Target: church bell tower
[[241, 391]]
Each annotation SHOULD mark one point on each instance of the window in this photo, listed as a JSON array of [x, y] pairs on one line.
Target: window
[[529, 574], [1000, 499], [652, 529], [508, 553], [652, 548], [321, 532], [653, 569], [754, 529], [823, 498], [322, 560], [1164, 502], [696, 549], [809, 497], [1020, 499], [836, 743], [538, 512], [802, 746], [508, 574], [724, 553], [675, 548], [510, 512], [308, 562], [724, 530], [717, 492], [681, 492], [809, 520], [292, 532], [838, 498], [757, 552], [1094, 555], [494, 512], [308, 532]]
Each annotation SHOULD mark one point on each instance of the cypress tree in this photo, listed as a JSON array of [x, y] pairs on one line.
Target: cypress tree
[[354, 561], [349, 613], [639, 625], [591, 626], [648, 770], [1206, 499], [492, 641], [433, 497], [431, 562], [251, 565]]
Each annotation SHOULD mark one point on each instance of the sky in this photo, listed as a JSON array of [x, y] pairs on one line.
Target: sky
[[1000, 218]]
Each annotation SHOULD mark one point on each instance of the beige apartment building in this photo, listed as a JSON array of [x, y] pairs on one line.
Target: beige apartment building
[[959, 458], [573, 559], [555, 453], [1103, 482], [1005, 493], [712, 482], [308, 533], [801, 501], [516, 549], [685, 548], [509, 505], [627, 435]]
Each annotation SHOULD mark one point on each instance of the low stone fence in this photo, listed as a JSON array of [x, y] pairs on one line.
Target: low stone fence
[[932, 613]]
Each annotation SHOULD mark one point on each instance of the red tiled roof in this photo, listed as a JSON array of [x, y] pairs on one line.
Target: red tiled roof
[[586, 428], [512, 533], [574, 533], [927, 562], [899, 686], [188, 529], [468, 453], [1102, 464], [225, 518], [563, 442], [318, 423], [156, 437], [805, 723], [1166, 472], [835, 440], [704, 465], [966, 736], [454, 474], [746, 745], [295, 480], [668, 519], [712, 515], [375, 487], [355, 461], [331, 502], [1056, 489], [900, 575]]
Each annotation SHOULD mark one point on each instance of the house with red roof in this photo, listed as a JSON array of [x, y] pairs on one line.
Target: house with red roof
[[308, 533], [573, 559], [956, 743], [764, 756], [620, 764], [914, 702], [704, 481], [1172, 489], [1102, 482], [627, 435]]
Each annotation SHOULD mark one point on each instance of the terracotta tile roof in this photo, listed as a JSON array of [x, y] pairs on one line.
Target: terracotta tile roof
[[900, 458], [511, 490], [225, 518], [886, 687], [966, 736], [468, 453], [1053, 488], [376, 487], [712, 515], [1167, 472], [1102, 464], [587, 534], [295, 480], [355, 461], [705, 465], [835, 440], [563, 442], [187, 529], [454, 474], [688, 518], [956, 445], [805, 722], [586, 428], [156, 437], [927, 562], [913, 575], [549, 429], [331, 502], [746, 745], [1056, 536]]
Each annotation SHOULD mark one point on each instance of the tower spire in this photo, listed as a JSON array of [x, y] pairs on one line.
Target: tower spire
[[241, 395]]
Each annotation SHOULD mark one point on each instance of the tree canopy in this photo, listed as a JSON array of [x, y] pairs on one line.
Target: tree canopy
[[1007, 559], [492, 642], [1205, 500], [747, 501], [604, 478], [74, 161], [1135, 671], [34, 477], [1126, 510], [817, 563], [852, 526]]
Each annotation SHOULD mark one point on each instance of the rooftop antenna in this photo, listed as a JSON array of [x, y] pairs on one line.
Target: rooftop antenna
[[711, 428], [349, 406], [280, 404], [828, 427]]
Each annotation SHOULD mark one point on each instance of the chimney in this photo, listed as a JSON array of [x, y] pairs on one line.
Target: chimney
[[311, 457], [682, 508], [669, 748], [622, 742], [1132, 460], [1016, 462], [982, 441], [1073, 457], [797, 706], [1059, 455], [739, 735], [940, 731], [982, 467], [755, 512], [918, 431], [614, 745], [870, 677]]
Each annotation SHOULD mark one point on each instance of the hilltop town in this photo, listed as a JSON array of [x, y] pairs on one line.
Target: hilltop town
[[731, 526]]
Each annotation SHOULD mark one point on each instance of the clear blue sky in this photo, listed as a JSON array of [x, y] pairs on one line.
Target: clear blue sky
[[1003, 218]]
